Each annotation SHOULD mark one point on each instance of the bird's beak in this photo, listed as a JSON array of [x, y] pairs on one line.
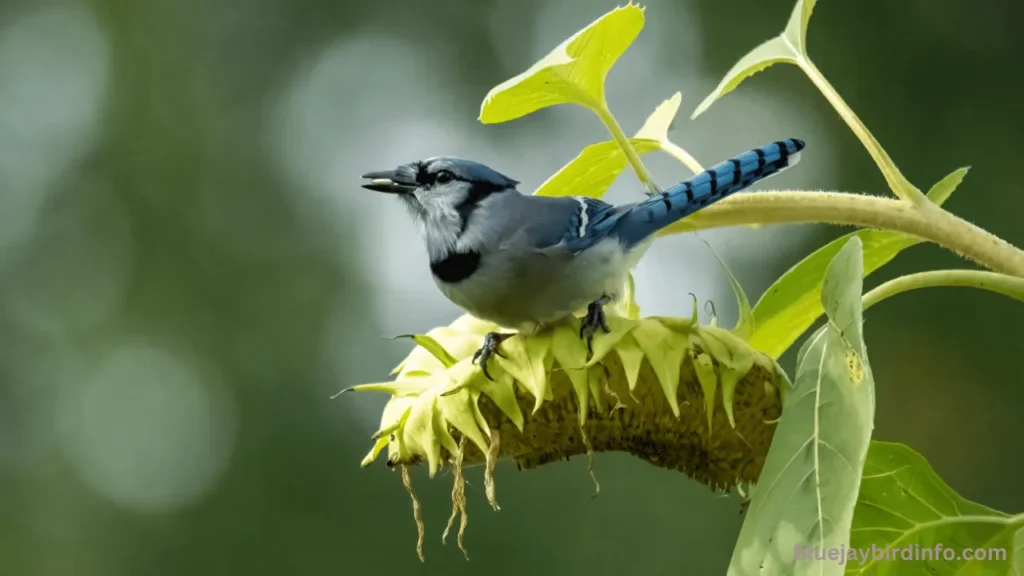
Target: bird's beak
[[390, 181]]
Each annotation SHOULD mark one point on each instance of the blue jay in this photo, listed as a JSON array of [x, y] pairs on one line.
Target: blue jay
[[524, 262]]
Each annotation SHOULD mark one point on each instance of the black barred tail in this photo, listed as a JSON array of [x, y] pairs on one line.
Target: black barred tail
[[647, 217]]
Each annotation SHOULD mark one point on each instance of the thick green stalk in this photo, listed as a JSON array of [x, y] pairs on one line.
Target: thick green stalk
[[932, 224]]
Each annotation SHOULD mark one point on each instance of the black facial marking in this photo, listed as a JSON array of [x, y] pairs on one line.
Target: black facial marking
[[476, 195], [456, 267], [422, 177]]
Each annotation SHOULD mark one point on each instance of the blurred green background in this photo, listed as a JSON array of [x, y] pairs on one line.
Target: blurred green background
[[189, 269]]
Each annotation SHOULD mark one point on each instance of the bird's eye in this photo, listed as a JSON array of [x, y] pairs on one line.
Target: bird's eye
[[444, 177]]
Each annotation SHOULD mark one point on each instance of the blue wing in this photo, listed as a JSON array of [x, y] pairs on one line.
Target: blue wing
[[595, 221], [573, 222]]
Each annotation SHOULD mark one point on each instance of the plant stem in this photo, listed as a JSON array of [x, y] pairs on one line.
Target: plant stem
[[1000, 283], [683, 156], [622, 140], [933, 224], [896, 180]]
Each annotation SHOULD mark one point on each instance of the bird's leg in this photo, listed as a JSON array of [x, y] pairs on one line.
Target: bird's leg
[[490, 347], [594, 320]]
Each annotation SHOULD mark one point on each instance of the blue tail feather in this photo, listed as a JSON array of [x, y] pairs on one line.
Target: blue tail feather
[[724, 179]]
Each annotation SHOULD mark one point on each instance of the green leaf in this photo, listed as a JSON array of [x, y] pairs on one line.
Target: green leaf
[[796, 29], [1018, 553], [944, 188], [594, 170], [903, 503], [809, 483], [657, 126], [791, 305], [660, 121], [771, 52], [787, 47], [573, 73]]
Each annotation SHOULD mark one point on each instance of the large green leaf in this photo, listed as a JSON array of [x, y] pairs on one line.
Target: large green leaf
[[903, 503], [771, 52], [808, 487], [594, 170], [791, 304], [574, 72]]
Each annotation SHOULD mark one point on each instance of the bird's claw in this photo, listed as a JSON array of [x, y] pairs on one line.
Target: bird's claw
[[490, 348], [592, 322]]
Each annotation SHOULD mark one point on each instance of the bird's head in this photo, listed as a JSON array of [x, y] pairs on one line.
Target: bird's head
[[441, 192]]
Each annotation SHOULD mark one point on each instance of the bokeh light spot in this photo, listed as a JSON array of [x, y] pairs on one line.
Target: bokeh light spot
[[148, 429], [54, 75]]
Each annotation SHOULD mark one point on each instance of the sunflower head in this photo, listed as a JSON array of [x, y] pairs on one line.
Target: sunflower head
[[679, 395]]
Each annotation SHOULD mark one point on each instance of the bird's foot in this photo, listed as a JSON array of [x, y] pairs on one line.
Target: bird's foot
[[490, 348], [594, 321]]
